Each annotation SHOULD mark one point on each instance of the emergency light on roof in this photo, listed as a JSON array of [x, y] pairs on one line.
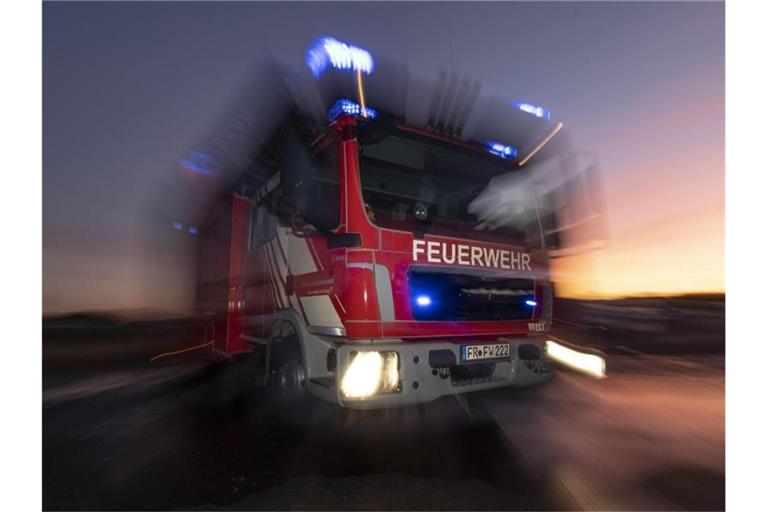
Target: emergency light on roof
[[348, 107], [199, 163], [327, 51], [501, 150], [533, 109]]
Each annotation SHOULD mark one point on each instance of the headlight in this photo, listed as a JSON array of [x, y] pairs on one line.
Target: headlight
[[369, 373], [590, 364]]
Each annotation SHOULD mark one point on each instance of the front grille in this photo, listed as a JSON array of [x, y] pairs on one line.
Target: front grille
[[451, 294]]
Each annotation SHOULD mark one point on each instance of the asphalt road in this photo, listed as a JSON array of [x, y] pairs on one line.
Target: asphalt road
[[191, 434]]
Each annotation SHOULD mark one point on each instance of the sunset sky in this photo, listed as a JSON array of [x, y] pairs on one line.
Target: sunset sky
[[129, 88], [664, 191]]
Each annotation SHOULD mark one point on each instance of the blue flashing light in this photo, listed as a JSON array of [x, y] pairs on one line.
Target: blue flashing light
[[348, 107], [423, 301], [501, 150], [530, 302], [327, 51], [534, 110], [199, 163], [177, 226], [192, 230]]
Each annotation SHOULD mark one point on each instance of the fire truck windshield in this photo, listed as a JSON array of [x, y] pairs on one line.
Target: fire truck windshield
[[423, 185]]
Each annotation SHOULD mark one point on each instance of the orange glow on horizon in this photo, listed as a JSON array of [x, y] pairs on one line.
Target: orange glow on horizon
[[675, 256], [663, 185]]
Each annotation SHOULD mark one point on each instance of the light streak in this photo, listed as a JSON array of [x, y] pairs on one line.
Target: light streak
[[541, 145], [591, 364]]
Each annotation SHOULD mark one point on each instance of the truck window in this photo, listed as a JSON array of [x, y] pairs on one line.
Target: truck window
[[465, 194], [309, 184]]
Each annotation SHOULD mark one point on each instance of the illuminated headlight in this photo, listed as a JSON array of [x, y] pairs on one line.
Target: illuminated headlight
[[369, 373], [590, 364]]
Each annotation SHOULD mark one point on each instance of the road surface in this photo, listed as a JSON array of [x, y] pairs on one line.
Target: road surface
[[187, 434]]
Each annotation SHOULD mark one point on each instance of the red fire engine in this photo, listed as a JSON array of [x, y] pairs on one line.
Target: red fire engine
[[379, 264]]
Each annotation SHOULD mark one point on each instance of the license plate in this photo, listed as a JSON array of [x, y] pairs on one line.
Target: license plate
[[479, 352]]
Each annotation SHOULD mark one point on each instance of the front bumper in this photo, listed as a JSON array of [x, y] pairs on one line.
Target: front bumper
[[427, 372]]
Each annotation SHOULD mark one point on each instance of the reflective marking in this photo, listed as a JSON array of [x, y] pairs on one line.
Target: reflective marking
[[271, 278], [367, 266], [299, 258], [320, 311], [384, 293], [276, 277]]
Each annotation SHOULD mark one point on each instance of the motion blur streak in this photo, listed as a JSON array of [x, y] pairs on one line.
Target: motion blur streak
[[633, 226], [541, 144], [360, 93], [182, 351], [590, 364]]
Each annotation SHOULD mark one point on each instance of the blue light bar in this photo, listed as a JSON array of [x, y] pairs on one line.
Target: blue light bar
[[327, 51], [533, 109], [501, 150], [199, 163], [177, 226], [423, 300], [348, 107], [192, 230], [530, 302]]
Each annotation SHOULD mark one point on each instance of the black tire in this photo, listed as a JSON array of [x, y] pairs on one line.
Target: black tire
[[287, 393]]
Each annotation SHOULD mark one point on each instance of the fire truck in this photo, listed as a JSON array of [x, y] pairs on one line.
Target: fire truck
[[375, 263]]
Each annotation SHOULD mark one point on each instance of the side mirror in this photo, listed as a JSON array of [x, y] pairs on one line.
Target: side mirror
[[285, 208], [289, 215]]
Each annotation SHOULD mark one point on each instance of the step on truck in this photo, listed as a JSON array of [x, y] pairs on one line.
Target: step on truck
[[376, 263]]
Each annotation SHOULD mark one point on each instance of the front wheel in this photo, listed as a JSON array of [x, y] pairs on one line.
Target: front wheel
[[290, 402], [288, 380]]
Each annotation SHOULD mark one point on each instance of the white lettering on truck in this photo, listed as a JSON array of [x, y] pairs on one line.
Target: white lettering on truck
[[441, 252]]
